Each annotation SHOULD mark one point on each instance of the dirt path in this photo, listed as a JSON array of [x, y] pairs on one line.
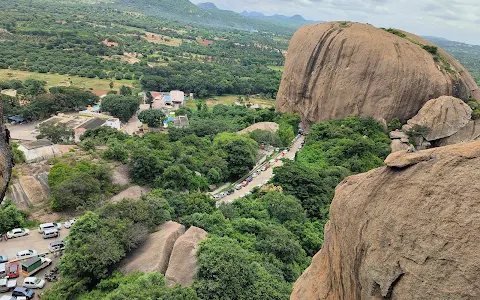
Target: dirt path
[[263, 177]]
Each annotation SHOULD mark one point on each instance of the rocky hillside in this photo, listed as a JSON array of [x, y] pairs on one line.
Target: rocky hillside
[[405, 231], [338, 69], [5, 161]]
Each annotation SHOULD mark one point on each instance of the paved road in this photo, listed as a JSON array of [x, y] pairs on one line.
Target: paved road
[[23, 131], [33, 241], [263, 177]]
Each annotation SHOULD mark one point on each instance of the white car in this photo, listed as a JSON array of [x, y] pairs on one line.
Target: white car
[[264, 169], [254, 174], [17, 232], [56, 246], [25, 253], [33, 283], [69, 223]]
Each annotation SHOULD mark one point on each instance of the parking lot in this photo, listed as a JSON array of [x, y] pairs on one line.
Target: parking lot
[[33, 241]]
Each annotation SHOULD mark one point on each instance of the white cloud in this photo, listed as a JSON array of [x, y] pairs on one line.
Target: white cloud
[[453, 19]]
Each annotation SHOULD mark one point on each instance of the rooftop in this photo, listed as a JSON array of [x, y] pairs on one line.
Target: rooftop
[[93, 123], [30, 145]]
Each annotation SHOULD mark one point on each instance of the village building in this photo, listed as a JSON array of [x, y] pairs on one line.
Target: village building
[[39, 150]]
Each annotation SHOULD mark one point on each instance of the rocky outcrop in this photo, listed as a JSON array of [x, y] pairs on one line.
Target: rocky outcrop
[[5, 160], [399, 145], [339, 69], [409, 231], [154, 253], [443, 117], [182, 267], [468, 133], [134, 193]]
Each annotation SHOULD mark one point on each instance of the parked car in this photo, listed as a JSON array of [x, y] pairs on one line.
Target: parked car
[[69, 223], [17, 232], [13, 270], [7, 298], [248, 194], [249, 179], [223, 194], [56, 246], [267, 166], [238, 187], [216, 197], [33, 283], [230, 192], [24, 253], [23, 292], [3, 258], [48, 226], [244, 183], [254, 175], [264, 168]]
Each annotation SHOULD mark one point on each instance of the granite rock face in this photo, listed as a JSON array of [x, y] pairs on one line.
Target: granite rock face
[[182, 267], [335, 69], [443, 117], [409, 231], [154, 253]]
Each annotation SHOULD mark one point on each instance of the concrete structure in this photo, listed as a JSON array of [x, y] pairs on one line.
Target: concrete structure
[[114, 123], [39, 150], [11, 93], [178, 98], [90, 124], [181, 121]]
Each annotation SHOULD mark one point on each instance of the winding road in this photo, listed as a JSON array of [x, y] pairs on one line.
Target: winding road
[[263, 177]]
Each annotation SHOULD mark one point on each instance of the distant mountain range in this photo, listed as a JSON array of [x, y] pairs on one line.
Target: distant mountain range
[[207, 5], [295, 21]]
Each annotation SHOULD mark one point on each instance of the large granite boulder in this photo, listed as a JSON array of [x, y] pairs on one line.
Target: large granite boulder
[[443, 117], [154, 253], [338, 69], [5, 161], [407, 232], [182, 267]]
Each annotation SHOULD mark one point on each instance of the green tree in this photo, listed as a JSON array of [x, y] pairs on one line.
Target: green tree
[[125, 91], [122, 107], [286, 134], [10, 217], [56, 133], [228, 271], [239, 151], [149, 97], [152, 117]]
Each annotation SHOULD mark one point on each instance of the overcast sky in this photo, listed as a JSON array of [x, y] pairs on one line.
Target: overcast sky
[[457, 20]]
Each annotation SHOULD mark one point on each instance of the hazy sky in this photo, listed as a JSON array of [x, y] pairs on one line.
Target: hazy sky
[[457, 20]]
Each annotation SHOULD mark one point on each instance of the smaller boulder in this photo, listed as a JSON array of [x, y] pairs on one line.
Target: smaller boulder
[[154, 253], [397, 145], [443, 117], [466, 134], [182, 267], [397, 134], [402, 159]]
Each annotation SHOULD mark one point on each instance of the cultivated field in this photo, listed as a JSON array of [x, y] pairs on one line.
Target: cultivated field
[[56, 79]]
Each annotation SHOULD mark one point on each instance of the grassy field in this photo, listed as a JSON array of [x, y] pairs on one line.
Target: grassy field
[[276, 68], [230, 100], [56, 79]]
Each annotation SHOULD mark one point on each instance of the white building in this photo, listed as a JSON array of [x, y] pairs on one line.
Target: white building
[[39, 150], [114, 123], [178, 98]]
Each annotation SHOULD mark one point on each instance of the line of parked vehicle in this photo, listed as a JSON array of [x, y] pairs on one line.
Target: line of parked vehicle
[[32, 262], [250, 178]]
